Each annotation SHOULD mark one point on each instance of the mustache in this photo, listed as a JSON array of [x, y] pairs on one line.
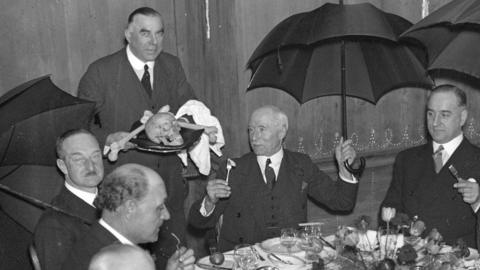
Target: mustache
[[91, 173]]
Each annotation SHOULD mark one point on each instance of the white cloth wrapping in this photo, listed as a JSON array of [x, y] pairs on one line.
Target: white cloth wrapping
[[200, 153]]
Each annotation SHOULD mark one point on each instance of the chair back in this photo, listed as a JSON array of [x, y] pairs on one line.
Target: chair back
[[34, 257]]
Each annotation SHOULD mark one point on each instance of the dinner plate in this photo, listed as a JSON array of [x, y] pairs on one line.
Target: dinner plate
[[284, 261], [274, 245], [190, 137], [229, 262]]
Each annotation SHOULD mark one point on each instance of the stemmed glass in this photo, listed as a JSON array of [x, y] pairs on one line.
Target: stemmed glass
[[310, 243], [288, 238], [244, 257]]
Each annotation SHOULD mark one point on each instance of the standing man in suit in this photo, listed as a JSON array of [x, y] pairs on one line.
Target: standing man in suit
[[80, 160], [141, 77], [267, 190], [132, 201], [422, 184]]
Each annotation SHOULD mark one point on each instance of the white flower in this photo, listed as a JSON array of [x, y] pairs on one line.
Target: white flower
[[388, 213]]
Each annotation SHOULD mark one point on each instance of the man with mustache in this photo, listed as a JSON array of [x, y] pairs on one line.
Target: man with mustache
[[132, 200], [80, 160]]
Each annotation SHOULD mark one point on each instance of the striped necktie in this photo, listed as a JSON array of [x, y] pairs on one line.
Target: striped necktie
[[269, 175], [437, 158]]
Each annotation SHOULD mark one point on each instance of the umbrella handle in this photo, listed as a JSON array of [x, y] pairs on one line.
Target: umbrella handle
[[358, 171]]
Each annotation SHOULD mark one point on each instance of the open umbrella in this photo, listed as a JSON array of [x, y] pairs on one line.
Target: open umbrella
[[347, 50], [34, 114], [450, 36]]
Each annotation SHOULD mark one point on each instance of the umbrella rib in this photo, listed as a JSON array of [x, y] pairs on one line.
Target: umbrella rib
[[8, 145], [40, 203]]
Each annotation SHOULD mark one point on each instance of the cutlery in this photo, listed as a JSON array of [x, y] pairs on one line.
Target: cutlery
[[280, 259], [212, 267], [326, 242], [254, 250]]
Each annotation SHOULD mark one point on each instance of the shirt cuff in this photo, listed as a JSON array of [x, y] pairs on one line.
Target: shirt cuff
[[352, 179], [203, 210]]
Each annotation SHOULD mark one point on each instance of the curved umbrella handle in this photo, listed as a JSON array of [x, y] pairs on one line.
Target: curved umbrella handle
[[358, 171]]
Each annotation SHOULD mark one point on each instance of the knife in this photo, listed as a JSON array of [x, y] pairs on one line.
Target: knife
[[212, 267]]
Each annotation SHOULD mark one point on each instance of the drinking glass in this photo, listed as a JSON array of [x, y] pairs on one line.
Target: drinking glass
[[288, 238], [310, 243], [244, 257]]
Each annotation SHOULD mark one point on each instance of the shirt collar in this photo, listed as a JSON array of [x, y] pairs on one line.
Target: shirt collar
[[450, 146], [136, 62], [276, 159], [85, 196], [115, 233]]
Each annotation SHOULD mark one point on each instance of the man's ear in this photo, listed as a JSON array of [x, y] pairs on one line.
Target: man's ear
[[463, 117], [130, 206], [127, 34], [62, 166]]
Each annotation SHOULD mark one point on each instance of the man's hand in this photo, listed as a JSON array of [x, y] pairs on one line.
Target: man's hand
[[182, 259], [216, 189], [344, 151], [469, 190]]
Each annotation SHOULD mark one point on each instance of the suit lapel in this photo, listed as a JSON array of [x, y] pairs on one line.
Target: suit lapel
[[128, 78]]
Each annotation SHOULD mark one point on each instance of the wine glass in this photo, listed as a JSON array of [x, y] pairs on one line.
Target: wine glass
[[288, 238], [310, 243], [244, 257]]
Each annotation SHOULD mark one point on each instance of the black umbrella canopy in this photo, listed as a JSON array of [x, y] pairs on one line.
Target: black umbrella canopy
[[332, 21], [362, 35], [34, 114], [450, 37]]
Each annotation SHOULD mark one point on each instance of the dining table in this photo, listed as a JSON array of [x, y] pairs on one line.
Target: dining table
[[271, 255]]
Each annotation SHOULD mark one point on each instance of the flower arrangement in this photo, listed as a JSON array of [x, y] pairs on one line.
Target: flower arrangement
[[398, 245]]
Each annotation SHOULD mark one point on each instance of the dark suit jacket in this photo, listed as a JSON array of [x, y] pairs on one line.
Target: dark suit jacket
[[298, 177], [121, 100], [56, 233], [417, 190], [91, 242]]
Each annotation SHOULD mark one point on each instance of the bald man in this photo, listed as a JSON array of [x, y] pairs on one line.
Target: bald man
[[122, 257], [132, 200]]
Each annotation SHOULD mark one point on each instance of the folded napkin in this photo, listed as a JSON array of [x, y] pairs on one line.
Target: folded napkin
[[200, 153]]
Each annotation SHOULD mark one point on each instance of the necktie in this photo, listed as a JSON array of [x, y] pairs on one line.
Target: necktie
[[269, 174], [437, 158], [146, 81]]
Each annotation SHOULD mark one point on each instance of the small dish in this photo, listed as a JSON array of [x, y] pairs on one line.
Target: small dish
[[229, 262], [284, 261], [273, 245]]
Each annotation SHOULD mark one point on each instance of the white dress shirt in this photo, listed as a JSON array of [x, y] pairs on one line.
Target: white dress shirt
[[115, 233], [139, 66], [448, 148], [85, 196]]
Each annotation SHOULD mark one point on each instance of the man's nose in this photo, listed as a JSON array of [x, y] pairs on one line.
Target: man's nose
[[153, 39], [89, 164], [436, 120]]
